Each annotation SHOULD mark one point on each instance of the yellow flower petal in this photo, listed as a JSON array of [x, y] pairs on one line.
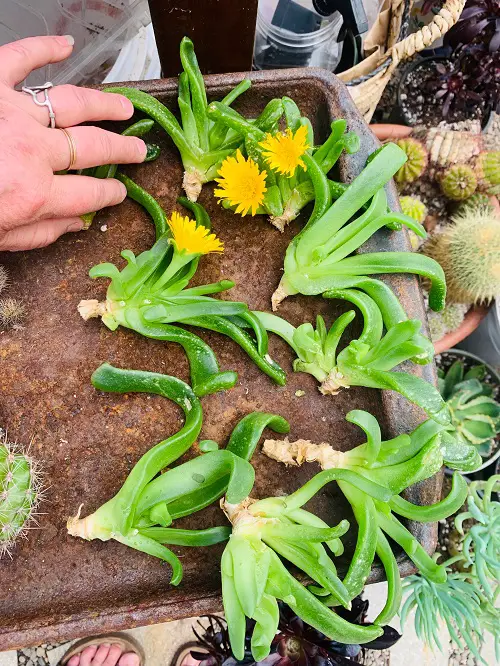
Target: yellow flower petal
[[284, 152], [241, 183], [192, 239]]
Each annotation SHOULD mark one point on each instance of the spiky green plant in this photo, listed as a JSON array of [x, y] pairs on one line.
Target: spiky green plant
[[474, 413], [468, 251], [416, 163], [467, 601], [458, 182], [456, 602], [449, 319], [477, 200], [414, 208], [12, 313], [481, 542], [19, 493], [488, 171]]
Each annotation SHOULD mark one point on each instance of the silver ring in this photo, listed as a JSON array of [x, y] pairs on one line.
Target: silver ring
[[34, 90]]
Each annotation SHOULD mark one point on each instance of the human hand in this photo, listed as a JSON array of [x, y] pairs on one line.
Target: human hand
[[36, 206]]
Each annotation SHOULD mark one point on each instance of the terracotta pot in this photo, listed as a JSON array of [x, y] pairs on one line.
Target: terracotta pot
[[471, 321]]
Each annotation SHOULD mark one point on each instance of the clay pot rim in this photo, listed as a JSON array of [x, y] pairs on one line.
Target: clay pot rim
[[471, 321]]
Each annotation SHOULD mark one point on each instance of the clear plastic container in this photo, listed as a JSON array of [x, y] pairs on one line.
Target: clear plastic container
[[100, 29], [290, 33]]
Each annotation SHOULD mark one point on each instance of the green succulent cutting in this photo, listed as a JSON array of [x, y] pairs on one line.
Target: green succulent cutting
[[151, 294], [392, 465], [318, 259], [140, 513], [367, 361]]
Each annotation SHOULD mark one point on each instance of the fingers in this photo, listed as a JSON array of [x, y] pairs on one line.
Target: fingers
[[73, 105], [94, 146], [38, 234], [20, 58], [72, 196], [383, 132]]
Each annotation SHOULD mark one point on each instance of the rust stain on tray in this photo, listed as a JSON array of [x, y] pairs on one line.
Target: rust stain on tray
[[57, 587]]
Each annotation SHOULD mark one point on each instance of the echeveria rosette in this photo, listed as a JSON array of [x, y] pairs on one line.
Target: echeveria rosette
[[319, 258], [202, 143], [140, 514], [366, 361], [474, 413], [391, 465], [288, 176], [151, 294]]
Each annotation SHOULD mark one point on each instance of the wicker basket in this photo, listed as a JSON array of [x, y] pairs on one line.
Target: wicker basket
[[366, 87]]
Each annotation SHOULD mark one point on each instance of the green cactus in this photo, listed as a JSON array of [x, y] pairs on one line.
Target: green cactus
[[19, 493], [475, 414], [488, 171], [414, 208], [416, 163], [458, 182], [468, 250], [477, 200], [449, 319]]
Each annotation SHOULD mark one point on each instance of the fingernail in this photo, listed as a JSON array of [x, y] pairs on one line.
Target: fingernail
[[142, 149], [123, 189], [75, 226], [127, 105], [67, 40]]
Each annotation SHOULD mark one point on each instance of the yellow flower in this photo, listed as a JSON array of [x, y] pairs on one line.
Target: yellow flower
[[241, 183], [284, 151], [192, 239]]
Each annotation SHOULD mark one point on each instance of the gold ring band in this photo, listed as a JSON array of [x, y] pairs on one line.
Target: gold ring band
[[72, 148]]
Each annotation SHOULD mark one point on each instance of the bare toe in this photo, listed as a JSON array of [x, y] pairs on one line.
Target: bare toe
[[115, 652], [129, 659], [100, 655], [87, 655], [74, 661]]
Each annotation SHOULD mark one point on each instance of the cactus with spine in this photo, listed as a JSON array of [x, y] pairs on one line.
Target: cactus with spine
[[468, 249], [414, 208], [417, 161], [477, 201], [458, 182], [19, 493], [12, 311], [488, 171], [449, 319]]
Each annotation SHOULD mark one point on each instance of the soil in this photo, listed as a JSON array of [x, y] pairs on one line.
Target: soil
[[419, 103]]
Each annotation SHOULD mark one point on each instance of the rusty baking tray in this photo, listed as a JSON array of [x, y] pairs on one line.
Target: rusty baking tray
[[57, 587]]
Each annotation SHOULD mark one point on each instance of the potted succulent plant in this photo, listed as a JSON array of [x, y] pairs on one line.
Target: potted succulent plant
[[471, 389]]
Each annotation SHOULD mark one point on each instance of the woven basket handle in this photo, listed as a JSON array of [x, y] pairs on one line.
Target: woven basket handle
[[438, 27]]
